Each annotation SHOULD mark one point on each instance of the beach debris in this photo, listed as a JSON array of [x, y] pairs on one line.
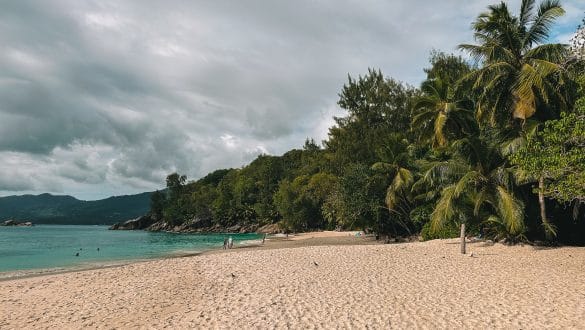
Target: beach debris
[[233, 275], [471, 255], [315, 263]]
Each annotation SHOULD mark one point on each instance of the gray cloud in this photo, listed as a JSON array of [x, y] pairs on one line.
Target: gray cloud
[[107, 97]]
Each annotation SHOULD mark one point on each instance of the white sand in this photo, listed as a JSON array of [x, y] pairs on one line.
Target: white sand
[[423, 285]]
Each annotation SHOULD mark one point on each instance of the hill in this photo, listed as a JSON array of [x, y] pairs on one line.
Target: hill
[[52, 209]]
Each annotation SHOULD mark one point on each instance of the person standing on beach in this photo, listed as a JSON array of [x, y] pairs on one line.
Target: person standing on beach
[[225, 243], [230, 242]]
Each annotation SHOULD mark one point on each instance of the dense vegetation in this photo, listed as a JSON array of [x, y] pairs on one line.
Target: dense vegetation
[[50, 209], [497, 144]]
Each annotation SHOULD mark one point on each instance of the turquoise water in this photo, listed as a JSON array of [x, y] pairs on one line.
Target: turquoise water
[[55, 246]]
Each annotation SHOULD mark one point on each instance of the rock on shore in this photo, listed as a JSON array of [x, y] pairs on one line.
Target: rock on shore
[[9, 223]]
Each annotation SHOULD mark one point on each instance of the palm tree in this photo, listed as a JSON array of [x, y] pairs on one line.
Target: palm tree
[[441, 113], [395, 162], [482, 189], [520, 75]]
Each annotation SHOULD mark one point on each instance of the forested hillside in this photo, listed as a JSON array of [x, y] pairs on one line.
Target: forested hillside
[[51, 209], [496, 144]]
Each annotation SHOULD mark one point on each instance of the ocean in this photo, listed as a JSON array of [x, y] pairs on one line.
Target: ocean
[[44, 248]]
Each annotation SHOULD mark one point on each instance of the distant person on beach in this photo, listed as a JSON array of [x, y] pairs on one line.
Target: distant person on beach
[[263, 239], [225, 243], [230, 242]]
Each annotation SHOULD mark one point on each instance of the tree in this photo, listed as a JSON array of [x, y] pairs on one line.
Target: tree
[[175, 183], [395, 163], [440, 114], [447, 67], [157, 204], [518, 78], [311, 145], [555, 157], [174, 211], [482, 190], [300, 202], [376, 106]]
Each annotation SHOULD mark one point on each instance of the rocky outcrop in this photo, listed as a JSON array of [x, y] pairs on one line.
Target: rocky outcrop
[[195, 225], [16, 223], [142, 222]]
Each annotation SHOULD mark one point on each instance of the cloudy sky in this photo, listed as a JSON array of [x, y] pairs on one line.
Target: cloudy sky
[[101, 98]]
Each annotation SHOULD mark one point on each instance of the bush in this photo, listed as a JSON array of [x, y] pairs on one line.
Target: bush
[[450, 230]]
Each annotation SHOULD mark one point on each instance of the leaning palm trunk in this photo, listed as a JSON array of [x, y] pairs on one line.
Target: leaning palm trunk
[[463, 238]]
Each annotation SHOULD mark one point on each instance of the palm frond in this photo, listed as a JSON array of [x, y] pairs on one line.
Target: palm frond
[[526, 14], [480, 199], [403, 179], [445, 209], [548, 52], [469, 180], [548, 12], [510, 210]]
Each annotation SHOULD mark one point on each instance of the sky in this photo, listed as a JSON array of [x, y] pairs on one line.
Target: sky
[[101, 98]]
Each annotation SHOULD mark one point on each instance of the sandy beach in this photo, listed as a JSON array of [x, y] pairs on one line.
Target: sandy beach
[[314, 282]]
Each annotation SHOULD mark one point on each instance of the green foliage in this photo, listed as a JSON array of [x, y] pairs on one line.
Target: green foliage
[[300, 202], [447, 68], [449, 231], [157, 203], [376, 107], [520, 76], [481, 187], [442, 114], [557, 154]]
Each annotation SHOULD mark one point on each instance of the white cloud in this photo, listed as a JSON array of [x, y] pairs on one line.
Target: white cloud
[[103, 20]]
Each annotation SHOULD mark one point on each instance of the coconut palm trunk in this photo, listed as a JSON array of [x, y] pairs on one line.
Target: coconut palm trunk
[[463, 238]]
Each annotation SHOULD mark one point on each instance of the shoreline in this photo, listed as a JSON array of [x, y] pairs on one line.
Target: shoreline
[[40, 272], [272, 242]]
